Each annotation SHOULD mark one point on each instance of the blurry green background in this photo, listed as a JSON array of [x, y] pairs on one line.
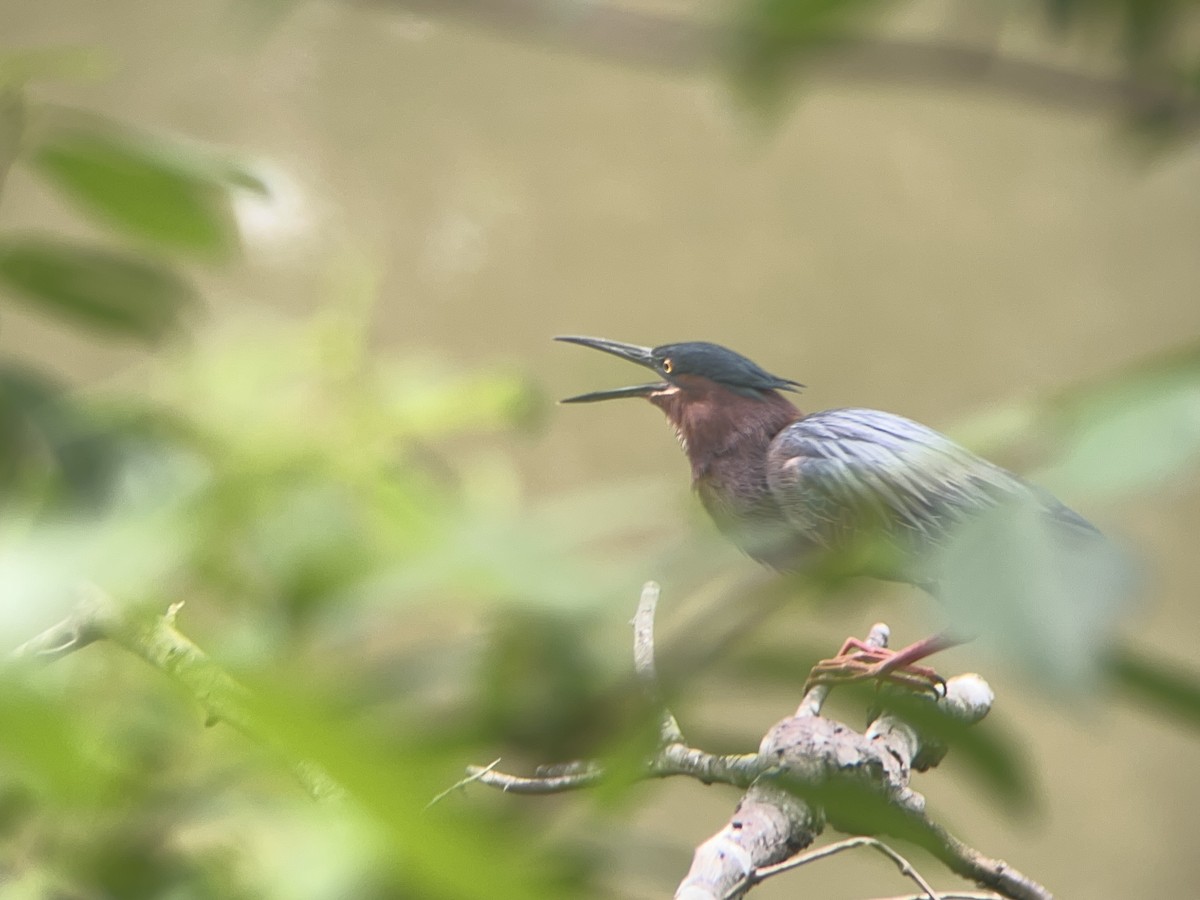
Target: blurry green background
[[377, 516]]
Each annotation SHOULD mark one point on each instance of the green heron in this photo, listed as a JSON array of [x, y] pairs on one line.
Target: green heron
[[875, 490]]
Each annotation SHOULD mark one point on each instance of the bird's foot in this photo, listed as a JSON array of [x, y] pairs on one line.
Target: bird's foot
[[857, 661]]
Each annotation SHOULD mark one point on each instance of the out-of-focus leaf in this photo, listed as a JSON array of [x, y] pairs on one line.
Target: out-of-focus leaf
[[1037, 589], [442, 852], [856, 806], [119, 293], [518, 555], [772, 34], [46, 748], [1148, 680], [144, 537], [171, 194], [1142, 24], [24, 395], [328, 403], [42, 427], [1123, 433], [799, 23], [1133, 432], [541, 693]]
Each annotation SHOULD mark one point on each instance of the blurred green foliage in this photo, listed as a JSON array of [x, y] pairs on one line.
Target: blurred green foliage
[[291, 489], [171, 198], [174, 198], [113, 292], [295, 490], [1149, 48], [354, 549]]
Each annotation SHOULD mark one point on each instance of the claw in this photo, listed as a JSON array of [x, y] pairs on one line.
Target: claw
[[860, 662]]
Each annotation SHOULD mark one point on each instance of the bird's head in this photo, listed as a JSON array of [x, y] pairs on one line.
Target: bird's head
[[689, 367], [706, 390]]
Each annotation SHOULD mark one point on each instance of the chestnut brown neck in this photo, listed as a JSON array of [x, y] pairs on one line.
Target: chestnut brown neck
[[714, 422]]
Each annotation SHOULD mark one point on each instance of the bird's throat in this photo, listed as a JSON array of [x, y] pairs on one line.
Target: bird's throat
[[723, 432]]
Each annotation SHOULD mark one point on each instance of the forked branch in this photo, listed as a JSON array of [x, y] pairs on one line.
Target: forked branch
[[803, 764]]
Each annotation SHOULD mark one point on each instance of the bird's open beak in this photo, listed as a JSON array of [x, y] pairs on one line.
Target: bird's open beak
[[632, 352]]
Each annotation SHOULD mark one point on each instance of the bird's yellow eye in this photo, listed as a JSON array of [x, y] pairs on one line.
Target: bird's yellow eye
[[667, 366]]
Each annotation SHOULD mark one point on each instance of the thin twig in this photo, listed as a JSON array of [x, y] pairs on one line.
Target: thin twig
[[539, 784], [739, 770], [476, 776], [906, 868]]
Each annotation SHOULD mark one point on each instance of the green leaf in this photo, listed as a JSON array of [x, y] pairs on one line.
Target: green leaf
[[40, 424], [1133, 431], [1041, 593], [444, 851], [772, 34], [118, 293], [46, 748], [174, 195], [1169, 687], [1125, 432]]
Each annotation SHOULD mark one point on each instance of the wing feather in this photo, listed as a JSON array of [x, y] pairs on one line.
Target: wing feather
[[840, 473]]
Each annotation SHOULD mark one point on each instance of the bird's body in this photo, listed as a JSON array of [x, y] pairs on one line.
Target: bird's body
[[879, 492], [788, 487]]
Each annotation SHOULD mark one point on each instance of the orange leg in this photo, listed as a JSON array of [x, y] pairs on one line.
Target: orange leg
[[858, 661]]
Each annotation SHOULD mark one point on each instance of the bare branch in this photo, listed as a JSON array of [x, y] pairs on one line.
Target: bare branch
[[476, 775], [773, 822], [643, 661], [538, 784], [995, 874], [673, 756], [87, 623], [739, 770]]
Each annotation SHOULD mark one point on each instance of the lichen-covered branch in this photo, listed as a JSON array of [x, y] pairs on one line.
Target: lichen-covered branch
[[792, 784]]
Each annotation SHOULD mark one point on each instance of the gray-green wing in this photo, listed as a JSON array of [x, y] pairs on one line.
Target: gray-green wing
[[845, 474]]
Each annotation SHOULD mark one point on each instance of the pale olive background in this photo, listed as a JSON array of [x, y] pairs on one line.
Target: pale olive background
[[930, 252]]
